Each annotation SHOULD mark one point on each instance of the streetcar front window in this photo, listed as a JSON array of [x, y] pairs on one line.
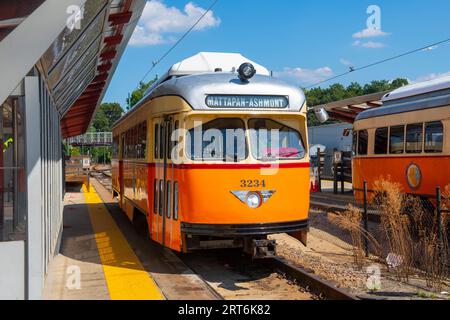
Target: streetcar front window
[[218, 140], [271, 140]]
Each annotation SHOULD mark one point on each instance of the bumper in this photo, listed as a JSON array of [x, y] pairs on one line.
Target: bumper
[[242, 230]]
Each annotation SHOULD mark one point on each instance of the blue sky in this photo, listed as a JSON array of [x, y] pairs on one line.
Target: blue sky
[[302, 41]]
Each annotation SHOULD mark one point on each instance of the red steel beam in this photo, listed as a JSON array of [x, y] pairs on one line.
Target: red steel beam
[[116, 19], [104, 67], [108, 55], [113, 40], [100, 78], [95, 86], [341, 116]]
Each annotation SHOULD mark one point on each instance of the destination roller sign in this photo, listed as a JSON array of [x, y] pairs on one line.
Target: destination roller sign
[[246, 102]]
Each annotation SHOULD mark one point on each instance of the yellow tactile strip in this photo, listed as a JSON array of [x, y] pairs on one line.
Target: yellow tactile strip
[[125, 276]]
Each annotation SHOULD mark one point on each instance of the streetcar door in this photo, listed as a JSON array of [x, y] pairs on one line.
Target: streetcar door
[[121, 171], [167, 173], [163, 174]]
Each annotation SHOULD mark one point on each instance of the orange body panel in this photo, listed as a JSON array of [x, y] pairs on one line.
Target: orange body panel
[[434, 172], [205, 196]]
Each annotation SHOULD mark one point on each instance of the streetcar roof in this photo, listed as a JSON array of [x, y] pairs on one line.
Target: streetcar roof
[[205, 62], [212, 73], [414, 97], [420, 88], [196, 89]]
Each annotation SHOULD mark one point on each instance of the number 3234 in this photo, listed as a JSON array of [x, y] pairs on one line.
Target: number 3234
[[253, 183]]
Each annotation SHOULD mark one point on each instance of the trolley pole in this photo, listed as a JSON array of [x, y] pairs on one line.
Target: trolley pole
[[366, 221]]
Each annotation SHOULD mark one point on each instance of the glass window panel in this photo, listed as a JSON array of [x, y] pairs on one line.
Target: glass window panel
[[66, 39], [61, 79], [156, 142], [161, 197], [175, 200], [76, 93], [72, 82], [115, 148], [169, 142], [363, 140], [397, 140], [221, 140], [161, 141], [168, 199], [414, 138], [12, 172], [271, 140], [155, 197], [381, 140], [434, 137]]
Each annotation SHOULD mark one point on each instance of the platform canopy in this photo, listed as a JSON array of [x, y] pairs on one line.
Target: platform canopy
[[76, 46], [347, 110]]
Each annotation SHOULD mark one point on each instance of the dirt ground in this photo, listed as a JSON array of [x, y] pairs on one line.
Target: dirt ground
[[330, 255]]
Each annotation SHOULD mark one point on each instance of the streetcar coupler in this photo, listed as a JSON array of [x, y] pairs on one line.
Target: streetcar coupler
[[260, 248]]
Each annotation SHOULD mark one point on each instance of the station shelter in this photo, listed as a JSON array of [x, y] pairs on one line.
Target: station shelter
[[57, 58]]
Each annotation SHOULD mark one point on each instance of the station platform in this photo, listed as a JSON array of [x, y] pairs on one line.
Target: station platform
[[102, 257]]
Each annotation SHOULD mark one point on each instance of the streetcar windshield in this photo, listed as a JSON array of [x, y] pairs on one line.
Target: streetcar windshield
[[218, 140], [271, 140]]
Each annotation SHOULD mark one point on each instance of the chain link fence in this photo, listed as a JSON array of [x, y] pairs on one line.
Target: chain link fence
[[414, 230]]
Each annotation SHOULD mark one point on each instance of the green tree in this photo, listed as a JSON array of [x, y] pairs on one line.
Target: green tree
[[107, 114], [138, 94]]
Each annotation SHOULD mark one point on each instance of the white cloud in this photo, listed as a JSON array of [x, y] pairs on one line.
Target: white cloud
[[369, 44], [159, 22], [431, 76], [346, 62], [304, 75], [370, 33]]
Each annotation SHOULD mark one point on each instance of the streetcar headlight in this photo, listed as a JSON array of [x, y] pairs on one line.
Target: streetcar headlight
[[246, 71], [253, 200]]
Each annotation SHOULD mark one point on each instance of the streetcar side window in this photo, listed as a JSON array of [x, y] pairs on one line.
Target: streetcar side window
[[381, 140], [397, 140], [161, 141], [115, 149], [169, 142], [156, 141], [414, 138], [161, 197], [355, 142], [363, 139], [434, 137], [168, 199], [174, 139], [127, 145], [155, 196], [135, 141], [175, 200], [142, 141]]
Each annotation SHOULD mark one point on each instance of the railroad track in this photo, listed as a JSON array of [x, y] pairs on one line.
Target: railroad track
[[234, 275], [230, 274]]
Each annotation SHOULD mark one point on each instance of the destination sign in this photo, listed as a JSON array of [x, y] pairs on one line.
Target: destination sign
[[247, 102]]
